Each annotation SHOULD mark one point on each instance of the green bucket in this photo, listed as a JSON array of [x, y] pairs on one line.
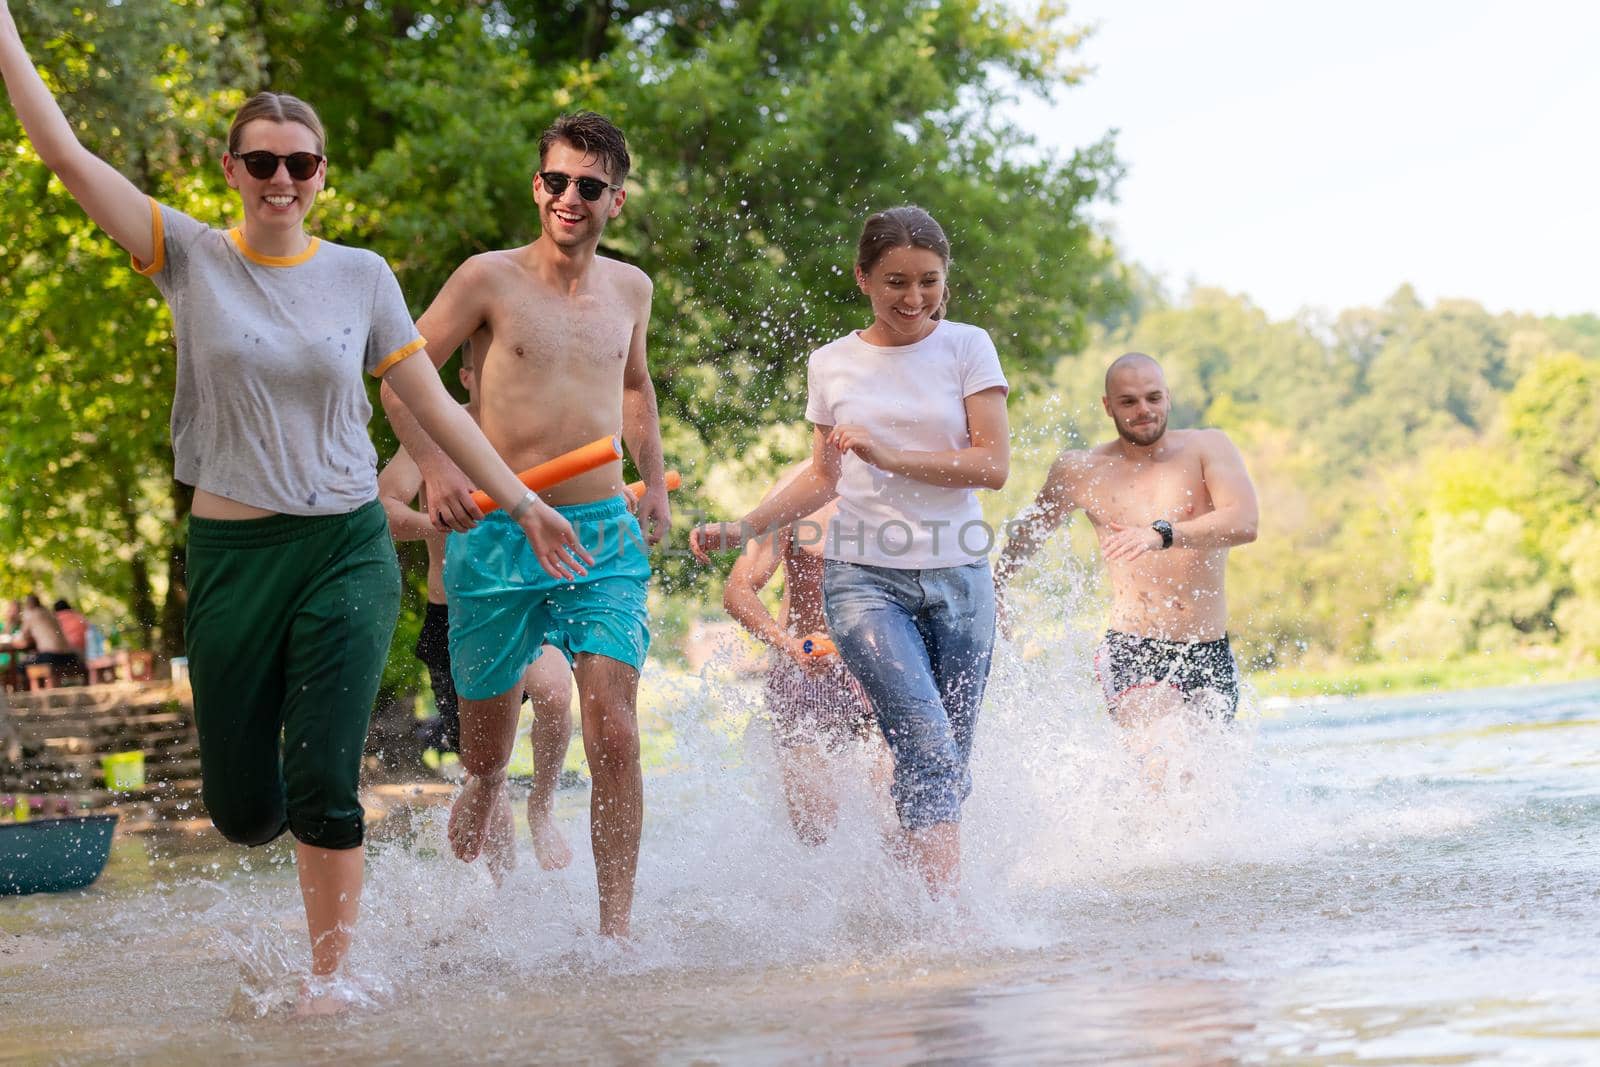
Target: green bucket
[[123, 770]]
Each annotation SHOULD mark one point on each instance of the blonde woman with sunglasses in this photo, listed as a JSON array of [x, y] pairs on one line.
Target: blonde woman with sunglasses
[[293, 583]]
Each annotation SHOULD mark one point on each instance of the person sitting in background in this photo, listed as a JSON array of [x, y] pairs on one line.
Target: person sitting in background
[[73, 626], [42, 633]]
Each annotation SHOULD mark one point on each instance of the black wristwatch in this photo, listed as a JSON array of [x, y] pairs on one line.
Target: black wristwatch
[[1164, 528]]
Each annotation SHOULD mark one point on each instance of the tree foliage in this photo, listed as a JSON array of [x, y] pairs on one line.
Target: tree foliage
[[1428, 475], [762, 131]]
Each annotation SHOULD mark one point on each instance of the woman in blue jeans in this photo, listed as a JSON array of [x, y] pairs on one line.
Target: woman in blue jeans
[[910, 419]]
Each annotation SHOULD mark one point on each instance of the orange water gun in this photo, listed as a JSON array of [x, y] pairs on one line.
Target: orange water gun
[[818, 645]]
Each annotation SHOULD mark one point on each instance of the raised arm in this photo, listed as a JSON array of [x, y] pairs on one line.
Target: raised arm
[[984, 464], [641, 423], [810, 490], [459, 309], [1050, 507], [111, 200]]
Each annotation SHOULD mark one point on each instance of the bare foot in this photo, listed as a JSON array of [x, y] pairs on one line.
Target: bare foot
[[321, 997], [473, 816], [500, 843], [550, 848], [897, 846]]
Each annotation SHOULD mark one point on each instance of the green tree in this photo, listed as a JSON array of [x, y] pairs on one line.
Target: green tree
[[85, 462], [763, 132]]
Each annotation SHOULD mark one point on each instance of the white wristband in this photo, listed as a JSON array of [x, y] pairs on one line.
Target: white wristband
[[522, 506]]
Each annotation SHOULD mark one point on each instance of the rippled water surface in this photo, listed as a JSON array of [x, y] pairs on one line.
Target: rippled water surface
[[1387, 881]]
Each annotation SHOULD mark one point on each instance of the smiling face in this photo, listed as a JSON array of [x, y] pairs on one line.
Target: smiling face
[[277, 203], [1137, 401], [569, 220], [906, 286]]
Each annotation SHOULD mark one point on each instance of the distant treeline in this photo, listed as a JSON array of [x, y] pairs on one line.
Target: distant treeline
[[1429, 475]]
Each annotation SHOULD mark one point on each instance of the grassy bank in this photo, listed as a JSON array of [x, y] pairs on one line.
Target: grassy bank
[[1396, 679]]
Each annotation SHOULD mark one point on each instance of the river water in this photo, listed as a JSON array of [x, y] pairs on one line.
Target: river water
[[1376, 881]]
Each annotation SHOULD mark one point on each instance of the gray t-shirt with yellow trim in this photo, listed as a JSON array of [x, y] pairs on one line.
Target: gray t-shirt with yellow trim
[[270, 408]]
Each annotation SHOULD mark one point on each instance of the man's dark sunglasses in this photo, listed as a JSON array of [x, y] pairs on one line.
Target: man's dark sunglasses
[[588, 188], [263, 165]]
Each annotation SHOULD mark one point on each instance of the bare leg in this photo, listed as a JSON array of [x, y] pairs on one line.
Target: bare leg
[[808, 789], [1144, 714], [549, 686], [480, 819], [330, 885], [608, 692], [936, 851]]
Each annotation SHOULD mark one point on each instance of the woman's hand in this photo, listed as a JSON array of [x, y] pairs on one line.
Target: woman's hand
[[795, 648], [859, 440], [555, 545]]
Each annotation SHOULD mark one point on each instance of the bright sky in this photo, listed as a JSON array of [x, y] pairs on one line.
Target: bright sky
[[1323, 154]]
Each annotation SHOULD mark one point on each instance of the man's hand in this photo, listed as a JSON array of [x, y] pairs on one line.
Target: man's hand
[[555, 545], [709, 537], [654, 513], [859, 439], [1128, 542], [449, 495]]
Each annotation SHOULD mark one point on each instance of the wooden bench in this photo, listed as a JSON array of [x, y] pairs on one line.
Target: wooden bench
[[41, 676], [102, 670], [123, 665]]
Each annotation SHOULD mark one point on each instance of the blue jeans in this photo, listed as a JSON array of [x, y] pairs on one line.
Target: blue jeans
[[919, 642]]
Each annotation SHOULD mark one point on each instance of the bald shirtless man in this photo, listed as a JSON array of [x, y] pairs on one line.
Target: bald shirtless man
[[1167, 506], [565, 364]]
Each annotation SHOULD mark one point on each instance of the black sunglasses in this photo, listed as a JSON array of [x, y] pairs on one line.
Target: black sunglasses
[[263, 165], [588, 188]]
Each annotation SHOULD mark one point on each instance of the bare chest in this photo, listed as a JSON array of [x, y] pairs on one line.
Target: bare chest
[[1139, 494], [578, 337]]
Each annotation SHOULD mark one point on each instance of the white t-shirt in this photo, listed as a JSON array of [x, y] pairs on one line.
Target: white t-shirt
[[911, 397]]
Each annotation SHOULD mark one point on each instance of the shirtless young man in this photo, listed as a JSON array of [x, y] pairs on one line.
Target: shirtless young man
[[815, 704], [1167, 506], [547, 682], [565, 364], [41, 633]]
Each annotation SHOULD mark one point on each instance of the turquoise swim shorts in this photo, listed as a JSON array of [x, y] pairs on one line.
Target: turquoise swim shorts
[[503, 606]]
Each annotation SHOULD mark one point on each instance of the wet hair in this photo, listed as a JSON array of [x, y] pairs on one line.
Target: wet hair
[[899, 227], [276, 107], [594, 135]]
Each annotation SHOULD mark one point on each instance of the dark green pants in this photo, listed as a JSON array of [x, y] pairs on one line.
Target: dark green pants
[[288, 629]]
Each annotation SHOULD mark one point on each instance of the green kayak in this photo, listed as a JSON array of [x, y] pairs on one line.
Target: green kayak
[[53, 855]]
